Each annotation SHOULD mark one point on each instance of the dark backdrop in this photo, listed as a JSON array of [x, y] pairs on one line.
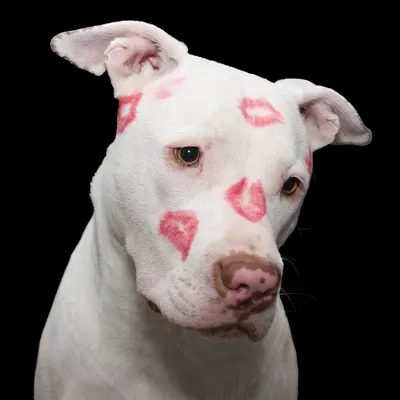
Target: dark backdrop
[[331, 249]]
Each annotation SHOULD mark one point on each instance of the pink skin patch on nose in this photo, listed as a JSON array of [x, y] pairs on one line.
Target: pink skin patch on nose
[[309, 161], [165, 91], [245, 283], [269, 115], [180, 228], [248, 200], [127, 111]]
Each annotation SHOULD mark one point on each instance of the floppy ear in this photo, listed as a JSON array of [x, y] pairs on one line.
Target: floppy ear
[[328, 117], [133, 53]]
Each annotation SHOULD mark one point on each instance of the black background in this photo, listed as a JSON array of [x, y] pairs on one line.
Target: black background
[[332, 247]]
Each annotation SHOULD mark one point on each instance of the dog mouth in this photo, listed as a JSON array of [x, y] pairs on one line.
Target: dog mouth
[[222, 332], [153, 307]]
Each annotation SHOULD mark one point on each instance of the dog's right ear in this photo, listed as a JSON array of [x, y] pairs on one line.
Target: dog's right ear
[[133, 53], [327, 116]]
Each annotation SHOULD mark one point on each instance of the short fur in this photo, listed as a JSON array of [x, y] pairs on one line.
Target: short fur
[[101, 340]]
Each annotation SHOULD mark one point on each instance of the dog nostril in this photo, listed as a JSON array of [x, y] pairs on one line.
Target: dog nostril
[[246, 280], [241, 287]]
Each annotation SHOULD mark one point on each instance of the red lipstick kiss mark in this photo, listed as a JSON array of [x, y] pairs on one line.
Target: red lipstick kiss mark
[[165, 91], [180, 228], [309, 162], [271, 115], [256, 206], [127, 111]]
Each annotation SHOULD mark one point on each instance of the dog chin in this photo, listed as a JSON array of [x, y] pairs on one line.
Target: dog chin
[[253, 331]]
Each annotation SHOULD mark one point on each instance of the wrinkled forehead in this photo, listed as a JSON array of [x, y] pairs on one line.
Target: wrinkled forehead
[[214, 103]]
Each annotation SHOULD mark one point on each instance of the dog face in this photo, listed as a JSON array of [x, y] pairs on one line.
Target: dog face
[[207, 174]]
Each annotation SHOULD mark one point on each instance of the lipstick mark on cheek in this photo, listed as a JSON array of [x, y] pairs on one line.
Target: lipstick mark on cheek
[[180, 228], [309, 162], [269, 115], [248, 200], [165, 91], [127, 111]]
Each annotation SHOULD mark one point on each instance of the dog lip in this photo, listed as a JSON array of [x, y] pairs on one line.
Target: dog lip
[[153, 306], [247, 307]]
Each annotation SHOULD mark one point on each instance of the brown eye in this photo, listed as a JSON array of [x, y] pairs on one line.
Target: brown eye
[[188, 156], [290, 186]]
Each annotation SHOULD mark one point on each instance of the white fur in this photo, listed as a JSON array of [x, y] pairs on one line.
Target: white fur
[[101, 340]]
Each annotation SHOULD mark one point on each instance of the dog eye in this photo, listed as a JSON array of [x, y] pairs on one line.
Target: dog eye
[[188, 156], [290, 186]]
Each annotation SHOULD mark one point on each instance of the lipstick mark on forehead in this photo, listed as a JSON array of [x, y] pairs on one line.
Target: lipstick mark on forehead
[[259, 112], [166, 90], [309, 161], [127, 111], [247, 199], [180, 228]]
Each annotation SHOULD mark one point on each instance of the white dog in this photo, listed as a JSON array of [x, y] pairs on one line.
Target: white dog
[[172, 292]]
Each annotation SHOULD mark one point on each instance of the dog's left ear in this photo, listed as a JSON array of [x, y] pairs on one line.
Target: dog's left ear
[[134, 53], [328, 117]]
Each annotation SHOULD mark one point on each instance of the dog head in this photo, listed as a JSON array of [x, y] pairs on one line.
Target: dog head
[[208, 172]]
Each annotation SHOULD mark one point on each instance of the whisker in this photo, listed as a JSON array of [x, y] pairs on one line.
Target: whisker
[[314, 177], [291, 261], [300, 230], [144, 303], [303, 294], [291, 302], [289, 258], [303, 229]]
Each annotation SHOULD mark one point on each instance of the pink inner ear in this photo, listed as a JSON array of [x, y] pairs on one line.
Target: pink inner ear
[[130, 55], [320, 121]]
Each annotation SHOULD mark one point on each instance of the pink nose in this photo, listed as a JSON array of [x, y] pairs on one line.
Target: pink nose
[[248, 281]]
